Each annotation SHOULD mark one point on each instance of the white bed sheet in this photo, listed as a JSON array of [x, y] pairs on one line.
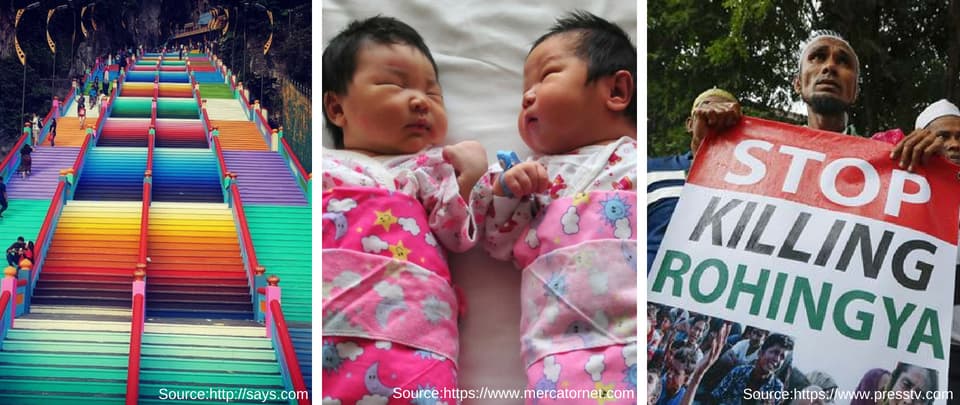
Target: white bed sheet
[[479, 47]]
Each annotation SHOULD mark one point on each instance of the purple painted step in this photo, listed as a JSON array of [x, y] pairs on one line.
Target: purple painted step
[[47, 162], [264, 178]]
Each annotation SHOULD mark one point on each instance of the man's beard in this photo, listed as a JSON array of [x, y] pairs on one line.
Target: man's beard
[[826, 105]]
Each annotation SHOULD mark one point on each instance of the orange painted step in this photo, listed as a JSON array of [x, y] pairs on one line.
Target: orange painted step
[[240, 135], [69, 132]]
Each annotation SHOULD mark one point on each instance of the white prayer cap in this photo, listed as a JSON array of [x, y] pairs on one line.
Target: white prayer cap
[[819, 34], [936, 110]]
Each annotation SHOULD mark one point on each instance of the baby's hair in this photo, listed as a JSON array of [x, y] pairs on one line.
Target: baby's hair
[[603, 45], [340, 56]]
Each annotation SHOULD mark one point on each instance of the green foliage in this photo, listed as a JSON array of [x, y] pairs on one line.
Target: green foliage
[[747, 48], [909, 54]]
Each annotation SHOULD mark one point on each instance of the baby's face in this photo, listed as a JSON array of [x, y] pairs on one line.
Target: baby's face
[[559, 107], [394, 104]]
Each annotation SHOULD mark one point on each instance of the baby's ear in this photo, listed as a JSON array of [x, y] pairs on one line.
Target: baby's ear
[[333, 108], [620, 90]]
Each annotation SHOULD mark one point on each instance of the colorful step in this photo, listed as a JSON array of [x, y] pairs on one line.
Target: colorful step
[[176, 90], [196, 268], [111, 173], [131, 107], [215, 90], [92, 256], [282, 237], [45, 173], [184, 108], [239, 135], [23, 217], [264, 178], [186, 175], [222, 109], [125, 132], [69, 132], [172, 133], [66, 355], [198, 357], [135, 89]]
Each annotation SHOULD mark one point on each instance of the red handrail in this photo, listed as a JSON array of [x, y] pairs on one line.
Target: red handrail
[[55, 205], [289, 355], [83, 152], [4, 299], [216, 146], [133, 363], [13, 152], [244, 230]]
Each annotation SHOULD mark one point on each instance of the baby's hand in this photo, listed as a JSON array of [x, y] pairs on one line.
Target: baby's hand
[[469, 161], [523, 179]]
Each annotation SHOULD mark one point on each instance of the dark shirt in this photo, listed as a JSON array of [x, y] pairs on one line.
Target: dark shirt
[[665, 178]]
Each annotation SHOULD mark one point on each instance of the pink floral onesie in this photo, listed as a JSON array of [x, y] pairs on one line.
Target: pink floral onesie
[[577, 245], [389, 306]]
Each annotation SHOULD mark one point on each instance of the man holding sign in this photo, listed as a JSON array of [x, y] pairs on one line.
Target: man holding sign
[[821, 238]]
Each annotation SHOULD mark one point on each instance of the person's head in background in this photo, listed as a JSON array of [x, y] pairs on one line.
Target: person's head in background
[[699, 326], [908, 377], [875, 379], [579, 86], [774, 352], [679, 365], [943, 119], [653, 387], [827, 81], [382, 92], [709, 97]]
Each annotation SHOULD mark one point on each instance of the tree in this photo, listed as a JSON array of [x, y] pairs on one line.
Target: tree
[[748, 48], [902, 47], [909, 56]]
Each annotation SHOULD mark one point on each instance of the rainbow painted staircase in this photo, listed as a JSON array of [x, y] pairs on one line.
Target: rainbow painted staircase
[[75, 339], [93, 249], [196, 267]]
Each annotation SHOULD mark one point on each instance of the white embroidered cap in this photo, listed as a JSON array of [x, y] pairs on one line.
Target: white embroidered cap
[[941, 108]]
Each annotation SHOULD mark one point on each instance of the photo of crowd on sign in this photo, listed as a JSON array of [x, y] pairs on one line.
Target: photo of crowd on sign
[[697, 359]]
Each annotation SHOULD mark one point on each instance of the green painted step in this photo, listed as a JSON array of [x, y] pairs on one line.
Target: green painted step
[[209, 365], [73, 336], [212, 378], [200, 362], [78, 373], [207, 352], [201, 340], [215, 90], [22, 218], [65, 347], [92, 387], [282, 238], [57, 359], [34, 399]]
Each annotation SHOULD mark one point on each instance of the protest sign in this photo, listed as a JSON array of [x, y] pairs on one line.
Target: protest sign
[[820, 237]]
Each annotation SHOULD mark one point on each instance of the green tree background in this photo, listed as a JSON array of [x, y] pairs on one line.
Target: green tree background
[[909, 55]]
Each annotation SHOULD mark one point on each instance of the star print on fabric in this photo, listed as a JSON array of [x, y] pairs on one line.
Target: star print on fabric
[[399, 251], [385, 218], [581, 198]]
